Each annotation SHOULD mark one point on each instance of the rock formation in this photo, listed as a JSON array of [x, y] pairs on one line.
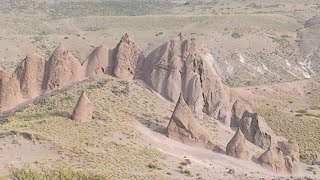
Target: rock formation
[[62, 69], [277, 161], [178, 67], [99, 62], [184, 128], [128, 59], [10, 94], [289, 148], [238, 109], [83, 110], [273, 159], [30, 74], [237, 146], [256, 130]]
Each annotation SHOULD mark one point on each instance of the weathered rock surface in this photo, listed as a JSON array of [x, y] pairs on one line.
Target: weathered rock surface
[[237, 146], [62, 69], [256, 130], [277, 161], [99, 62], [84, 109], [184, 128], [10, 94], [238, 109], [30, 74], [289, 148], [128, 59], [178, 67]]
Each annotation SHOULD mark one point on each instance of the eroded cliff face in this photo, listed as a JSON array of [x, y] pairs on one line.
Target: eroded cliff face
[[179, 67]]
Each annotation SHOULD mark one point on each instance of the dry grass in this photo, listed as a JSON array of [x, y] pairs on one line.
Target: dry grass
[[88, 145], [300, 127]]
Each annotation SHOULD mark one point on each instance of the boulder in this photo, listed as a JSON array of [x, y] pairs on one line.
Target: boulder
[[62, 69], [184, 128], [99, 62], [30, 74], [237, 146], [128, 59], [256, 130], [84, 109]]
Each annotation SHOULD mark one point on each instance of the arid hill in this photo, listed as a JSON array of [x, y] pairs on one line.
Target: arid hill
[[179, 72]]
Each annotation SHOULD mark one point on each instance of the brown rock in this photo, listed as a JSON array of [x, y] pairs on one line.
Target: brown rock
[[237, 146], [178, 67], [128, 59], [10, 94], [238, 109], [99, 62], [256, 130], [30, 74], [289, 148], [83, 110], [184, 128], [62, 69], [275, 160]]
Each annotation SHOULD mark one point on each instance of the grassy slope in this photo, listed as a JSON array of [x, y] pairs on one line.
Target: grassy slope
[[290, 114], [88, 146]]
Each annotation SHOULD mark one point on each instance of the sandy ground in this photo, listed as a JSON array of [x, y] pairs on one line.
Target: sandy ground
[[17, 150], [208, 164]]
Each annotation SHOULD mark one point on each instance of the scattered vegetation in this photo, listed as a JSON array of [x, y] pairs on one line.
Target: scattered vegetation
[[63, 173], [236, 35], [159, 34]]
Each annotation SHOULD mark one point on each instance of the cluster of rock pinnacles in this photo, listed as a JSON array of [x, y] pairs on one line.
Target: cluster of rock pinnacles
[[179, 72]]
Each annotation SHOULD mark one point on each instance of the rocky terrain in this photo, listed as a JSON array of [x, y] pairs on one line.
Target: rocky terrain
[[176, 72], [194, 105]]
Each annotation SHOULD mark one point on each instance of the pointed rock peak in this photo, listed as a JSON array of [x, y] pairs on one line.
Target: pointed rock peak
[[181, 36], [181, 100], [126, 38], [60, 49], [237, 146], [33, 56], [83, 96], [84, 109], [239, 134], [184, 128]]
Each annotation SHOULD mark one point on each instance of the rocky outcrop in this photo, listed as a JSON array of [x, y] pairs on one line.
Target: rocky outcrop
[[84, 109], [237, 146], [30, 74], [99, 62], [289, 148], [62, 69], [256, 130], [178, 67], [276, 160], [10, 94], [237, 111], [184, 128], [128, 59]]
